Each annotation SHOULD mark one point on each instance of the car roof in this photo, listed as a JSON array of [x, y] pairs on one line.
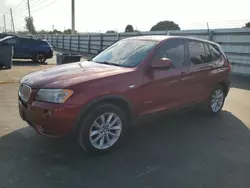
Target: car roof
[[6, 38], [25, 38], [165, 37]]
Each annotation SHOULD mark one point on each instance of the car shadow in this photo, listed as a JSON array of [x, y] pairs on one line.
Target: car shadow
[[26, 63], [183, 150]]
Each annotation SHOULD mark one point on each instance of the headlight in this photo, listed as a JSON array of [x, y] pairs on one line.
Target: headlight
[[53, 95]]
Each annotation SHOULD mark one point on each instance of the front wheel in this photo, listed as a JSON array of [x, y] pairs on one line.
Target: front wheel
[[216, 101], [103, 129]]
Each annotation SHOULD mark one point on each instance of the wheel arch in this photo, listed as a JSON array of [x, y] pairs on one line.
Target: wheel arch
[[224, 86], [120, 101]]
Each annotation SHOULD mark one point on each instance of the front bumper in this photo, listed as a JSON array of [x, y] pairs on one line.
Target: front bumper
[[48, 119], [49, 55]]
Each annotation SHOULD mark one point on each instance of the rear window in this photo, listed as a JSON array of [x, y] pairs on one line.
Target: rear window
[[29, 41], [197, 52], [26, 41], [42, 42], [215, 53], [11, 41]]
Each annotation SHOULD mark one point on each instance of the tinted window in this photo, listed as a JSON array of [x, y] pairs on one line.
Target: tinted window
[[11, 41], [197, 52], [175, 50], [215, 53], [26, 41], [208, 54], [126, 53]]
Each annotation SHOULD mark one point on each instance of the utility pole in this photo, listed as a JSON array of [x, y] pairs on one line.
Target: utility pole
[[12, 20], [73, 16], [207, 27], [28, 4], [4, 22]]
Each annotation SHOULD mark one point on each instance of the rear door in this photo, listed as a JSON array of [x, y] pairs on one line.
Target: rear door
[[201, 68], [26, 47], [21, 48]]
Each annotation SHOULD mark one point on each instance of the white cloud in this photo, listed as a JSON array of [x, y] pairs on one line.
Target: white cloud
[[103, 15]]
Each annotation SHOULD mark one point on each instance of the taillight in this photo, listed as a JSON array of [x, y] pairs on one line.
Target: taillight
[[229, 65]]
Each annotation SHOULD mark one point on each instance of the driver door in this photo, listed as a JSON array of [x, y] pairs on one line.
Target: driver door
[[167, 89], [14, 43]]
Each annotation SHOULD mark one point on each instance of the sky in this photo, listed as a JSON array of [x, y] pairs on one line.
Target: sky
[[103, 15]]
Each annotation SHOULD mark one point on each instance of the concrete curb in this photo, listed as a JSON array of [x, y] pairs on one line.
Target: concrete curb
[[8, 82]]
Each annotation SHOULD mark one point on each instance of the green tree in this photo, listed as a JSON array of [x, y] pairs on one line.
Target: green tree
[[129, 28], [247, 24], [165, 25], [29, 24], [68, 31], [22, 32], [57, 31], [42, 32], [110, 31]]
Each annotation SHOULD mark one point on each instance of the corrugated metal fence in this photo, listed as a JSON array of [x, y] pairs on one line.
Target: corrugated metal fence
[[235, 42]]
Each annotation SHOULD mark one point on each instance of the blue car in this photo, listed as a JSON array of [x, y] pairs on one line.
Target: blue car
[[28, 48]]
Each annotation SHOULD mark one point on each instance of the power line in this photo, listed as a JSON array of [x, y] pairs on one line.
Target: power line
[[21, 9], [37, 3], [19, 3], [45, 6]]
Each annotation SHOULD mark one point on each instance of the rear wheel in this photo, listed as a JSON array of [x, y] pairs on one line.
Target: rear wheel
[[103, 129], [39, 58], [216, 101]]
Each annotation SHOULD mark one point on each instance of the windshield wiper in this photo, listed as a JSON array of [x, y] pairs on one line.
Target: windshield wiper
[[107, 63]]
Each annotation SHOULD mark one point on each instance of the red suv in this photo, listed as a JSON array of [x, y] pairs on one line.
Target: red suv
[[98, 100]]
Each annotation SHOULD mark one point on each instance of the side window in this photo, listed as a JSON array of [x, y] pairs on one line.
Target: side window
[[197, 52], [21, 41], [209, 57], [215, 53], [11, 41], [25, 41], [173, 49]]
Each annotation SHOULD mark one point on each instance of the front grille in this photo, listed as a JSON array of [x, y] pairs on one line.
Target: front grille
[[24, 92]]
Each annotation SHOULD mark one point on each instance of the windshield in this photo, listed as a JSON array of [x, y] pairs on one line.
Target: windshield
[[126, 53]]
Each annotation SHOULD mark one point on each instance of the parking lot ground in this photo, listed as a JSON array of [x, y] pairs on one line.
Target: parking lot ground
[[183, 150]]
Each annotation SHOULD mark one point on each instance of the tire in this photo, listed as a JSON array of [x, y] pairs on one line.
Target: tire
[[40, 58], [216, 101], [96, 137]]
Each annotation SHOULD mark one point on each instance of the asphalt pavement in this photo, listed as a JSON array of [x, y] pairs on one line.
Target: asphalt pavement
[[184, 150]]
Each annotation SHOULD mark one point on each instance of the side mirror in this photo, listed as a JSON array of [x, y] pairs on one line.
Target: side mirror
[[163, 63]]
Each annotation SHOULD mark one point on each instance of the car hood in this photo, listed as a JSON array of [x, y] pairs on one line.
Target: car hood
[[67, 75]]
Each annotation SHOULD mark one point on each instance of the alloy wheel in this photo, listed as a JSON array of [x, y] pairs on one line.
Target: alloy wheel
[[40, 58], [217, 100], [105, 131]]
